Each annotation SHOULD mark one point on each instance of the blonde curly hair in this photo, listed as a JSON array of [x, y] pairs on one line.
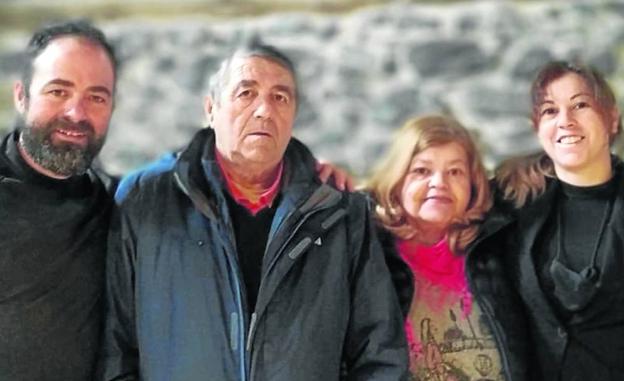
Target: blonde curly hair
[[417, 135]]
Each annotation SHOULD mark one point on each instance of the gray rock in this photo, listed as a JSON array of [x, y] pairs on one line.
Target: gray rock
[[361, 74], [448, 58], [526, 61]]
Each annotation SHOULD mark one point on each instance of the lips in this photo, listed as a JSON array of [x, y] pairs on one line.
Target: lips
[[64, 132], [259, 135], [570, 139], [71, 133], [439, 198]]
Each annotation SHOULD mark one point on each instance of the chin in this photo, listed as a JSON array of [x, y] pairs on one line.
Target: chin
[[570, 158], [444, 221], [571, 165]]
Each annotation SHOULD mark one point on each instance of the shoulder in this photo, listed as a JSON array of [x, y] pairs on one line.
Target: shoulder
[[139, 179], [358, 203]]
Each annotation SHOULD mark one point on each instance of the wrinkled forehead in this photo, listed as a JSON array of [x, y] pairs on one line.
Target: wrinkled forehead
[[259, 68]]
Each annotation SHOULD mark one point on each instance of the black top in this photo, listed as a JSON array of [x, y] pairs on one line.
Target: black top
[[573, 235], [251, 234], [582, 211], [52, 247], [587, 347]]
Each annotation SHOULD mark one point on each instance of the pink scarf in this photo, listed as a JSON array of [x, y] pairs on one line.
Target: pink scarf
[[440, 267], [436, 263]]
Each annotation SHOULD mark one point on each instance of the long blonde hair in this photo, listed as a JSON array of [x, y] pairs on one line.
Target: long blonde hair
[[524, 178], [385, 184]]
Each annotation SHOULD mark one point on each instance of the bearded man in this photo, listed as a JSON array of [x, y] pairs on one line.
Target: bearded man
[[55, 209]]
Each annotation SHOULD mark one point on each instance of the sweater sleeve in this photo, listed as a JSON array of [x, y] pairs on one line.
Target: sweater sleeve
[[376, 347], [119, 357]]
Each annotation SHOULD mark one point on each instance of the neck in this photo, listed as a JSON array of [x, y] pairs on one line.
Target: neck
[[429, 236], [586, 177], [251, 180], [34, 165]]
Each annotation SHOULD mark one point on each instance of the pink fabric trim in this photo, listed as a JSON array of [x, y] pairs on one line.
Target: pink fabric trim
[[265, 199]]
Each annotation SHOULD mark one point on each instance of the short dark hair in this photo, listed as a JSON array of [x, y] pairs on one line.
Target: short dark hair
[[251, 48], [73, 28]]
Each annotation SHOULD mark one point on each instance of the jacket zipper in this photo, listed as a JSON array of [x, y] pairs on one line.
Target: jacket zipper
[[252, 325], [304, 218], [207, 211], [488, 310], [252, 328], [240, 339], [489, 313]]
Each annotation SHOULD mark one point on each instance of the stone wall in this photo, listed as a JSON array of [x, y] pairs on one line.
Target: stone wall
[[361, 74]]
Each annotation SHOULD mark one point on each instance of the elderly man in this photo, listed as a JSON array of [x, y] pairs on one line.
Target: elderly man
[[230, 261], [55, 209]]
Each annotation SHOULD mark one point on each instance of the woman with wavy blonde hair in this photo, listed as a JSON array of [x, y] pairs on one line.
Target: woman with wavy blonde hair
[[417, 135], [431, 193]]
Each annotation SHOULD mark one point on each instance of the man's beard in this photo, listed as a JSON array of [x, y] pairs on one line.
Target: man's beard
[[64, 158]]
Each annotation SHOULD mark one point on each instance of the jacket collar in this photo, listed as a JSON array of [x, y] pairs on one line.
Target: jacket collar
[[198, 175], [531, 217]]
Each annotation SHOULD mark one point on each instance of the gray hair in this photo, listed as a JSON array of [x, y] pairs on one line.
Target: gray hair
[[253, 48]]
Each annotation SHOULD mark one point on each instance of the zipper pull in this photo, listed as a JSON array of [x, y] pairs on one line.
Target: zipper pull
[[233, 331], [252, 327]]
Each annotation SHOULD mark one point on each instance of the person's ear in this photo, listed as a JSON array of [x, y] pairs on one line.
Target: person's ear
[[615, 120], [209, 109], [20, 100]]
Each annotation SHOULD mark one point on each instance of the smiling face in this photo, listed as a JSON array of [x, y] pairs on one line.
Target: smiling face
[[436, 188], [575, 131], [68, 107], [255, 112]]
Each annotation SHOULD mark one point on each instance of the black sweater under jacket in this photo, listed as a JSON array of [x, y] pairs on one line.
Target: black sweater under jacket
[[52, 246]]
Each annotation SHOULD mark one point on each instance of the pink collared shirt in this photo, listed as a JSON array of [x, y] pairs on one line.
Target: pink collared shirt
[[265, 199]]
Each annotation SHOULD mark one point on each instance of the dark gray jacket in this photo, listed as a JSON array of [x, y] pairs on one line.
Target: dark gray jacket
[[176, 300], [503, 274], [492, 289]]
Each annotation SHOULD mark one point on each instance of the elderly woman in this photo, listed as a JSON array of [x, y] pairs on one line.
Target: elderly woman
[[559, 228], [431, 193]]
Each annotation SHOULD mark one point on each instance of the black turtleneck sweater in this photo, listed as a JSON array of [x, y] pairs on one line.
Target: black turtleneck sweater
[[52, 247], [582, 211], [582, 217]]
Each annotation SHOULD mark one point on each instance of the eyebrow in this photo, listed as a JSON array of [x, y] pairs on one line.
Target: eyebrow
[[581, 94], [251, 83], [571, 98], [245, 83], [64, 82], [456, 161], [284, 88]]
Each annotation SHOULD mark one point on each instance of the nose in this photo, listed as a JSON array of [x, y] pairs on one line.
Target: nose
[[438, 180], [263, 109], [76, 111], [564, 119]]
